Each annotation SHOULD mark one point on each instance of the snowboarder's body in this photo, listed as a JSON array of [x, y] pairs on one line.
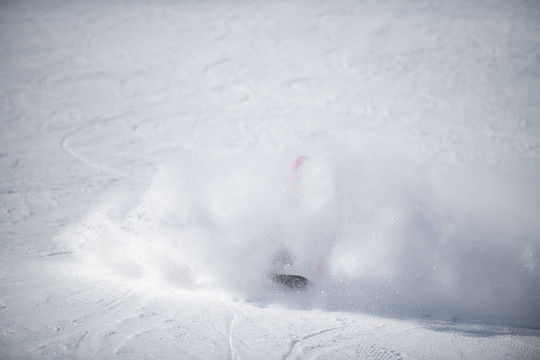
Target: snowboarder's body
[[313, 211]]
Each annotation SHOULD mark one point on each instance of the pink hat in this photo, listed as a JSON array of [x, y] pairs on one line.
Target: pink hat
[[297, 164]]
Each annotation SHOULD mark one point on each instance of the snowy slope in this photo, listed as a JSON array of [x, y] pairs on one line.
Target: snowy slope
[[145, 179]]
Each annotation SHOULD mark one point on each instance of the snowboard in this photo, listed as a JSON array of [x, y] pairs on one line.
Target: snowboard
[[293, 282]]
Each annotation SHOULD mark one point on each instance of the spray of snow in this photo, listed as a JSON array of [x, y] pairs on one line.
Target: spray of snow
[[374, 235]]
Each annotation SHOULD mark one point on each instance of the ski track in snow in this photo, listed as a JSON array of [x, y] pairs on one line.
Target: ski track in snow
[[144, 160], [231, 339], [71, 136], [298, 342]]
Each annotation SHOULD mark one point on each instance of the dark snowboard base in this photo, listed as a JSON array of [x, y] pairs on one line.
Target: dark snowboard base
[[294, 282]]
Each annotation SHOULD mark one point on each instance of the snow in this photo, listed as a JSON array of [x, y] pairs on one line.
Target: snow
[[146, 187]]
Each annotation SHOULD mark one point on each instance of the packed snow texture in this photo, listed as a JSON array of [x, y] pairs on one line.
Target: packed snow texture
[[147, 179]]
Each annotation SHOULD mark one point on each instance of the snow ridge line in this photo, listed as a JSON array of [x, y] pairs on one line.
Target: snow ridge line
[[232, 349]]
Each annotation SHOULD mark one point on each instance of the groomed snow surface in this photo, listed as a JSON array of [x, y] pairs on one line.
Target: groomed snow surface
[[147, 187]]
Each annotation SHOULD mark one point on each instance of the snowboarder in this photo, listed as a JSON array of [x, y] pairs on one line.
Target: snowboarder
[[313, 211]]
